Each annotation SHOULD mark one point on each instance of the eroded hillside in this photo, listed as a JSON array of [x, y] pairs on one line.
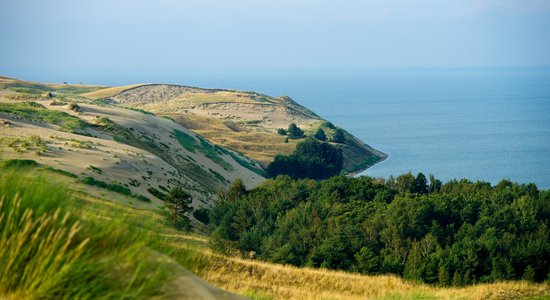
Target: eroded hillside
[[243, 121], [135, 152]]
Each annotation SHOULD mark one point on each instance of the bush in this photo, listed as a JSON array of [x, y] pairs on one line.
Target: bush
[[201, 214], [320, 135], [160, 195], [339, 136], [294, 132], [19, 163], [281, 131], [114, 187]]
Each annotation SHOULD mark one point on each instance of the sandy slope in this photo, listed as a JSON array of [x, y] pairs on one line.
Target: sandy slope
[[243, 121], [103, 158]]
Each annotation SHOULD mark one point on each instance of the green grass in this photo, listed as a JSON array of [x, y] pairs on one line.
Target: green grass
[[156, 193], [247, 165], [95, 169], [113, 187], [203, 146], [62, 172], [36, 112], [186, 141], [219, 176], [18, 164], [34, 142], [49, 251], [37, 88]]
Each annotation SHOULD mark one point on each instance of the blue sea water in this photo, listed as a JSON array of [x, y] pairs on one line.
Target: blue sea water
[[481, 124]]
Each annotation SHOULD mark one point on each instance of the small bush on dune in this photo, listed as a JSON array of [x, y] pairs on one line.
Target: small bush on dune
[[18, 163]]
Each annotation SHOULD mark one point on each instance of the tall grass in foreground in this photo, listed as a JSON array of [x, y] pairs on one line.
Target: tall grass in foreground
[[49, 251]]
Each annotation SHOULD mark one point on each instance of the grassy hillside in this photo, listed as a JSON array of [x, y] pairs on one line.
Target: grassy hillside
[[62, 240], [113, 252], [243, 121], [134, 152]]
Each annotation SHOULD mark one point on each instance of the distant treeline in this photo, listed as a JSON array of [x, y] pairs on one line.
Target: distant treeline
[[455, 233]]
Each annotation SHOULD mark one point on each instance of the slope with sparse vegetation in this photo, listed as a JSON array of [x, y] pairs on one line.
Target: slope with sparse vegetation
[[246, 122], [124, 149]]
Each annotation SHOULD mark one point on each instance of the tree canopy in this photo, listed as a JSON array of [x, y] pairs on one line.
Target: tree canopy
[[311, 159], [456, 233], [339, 136], [178, 204], [320, 135], [295, 132]]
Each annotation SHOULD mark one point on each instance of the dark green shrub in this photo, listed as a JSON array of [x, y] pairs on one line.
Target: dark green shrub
[[201, 214], [294, 132], [320, 135], [339, 136], [156, 193]]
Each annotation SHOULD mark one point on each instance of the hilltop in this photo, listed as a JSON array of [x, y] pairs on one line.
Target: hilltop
[[149, 138], [244, 121], [128, 150]]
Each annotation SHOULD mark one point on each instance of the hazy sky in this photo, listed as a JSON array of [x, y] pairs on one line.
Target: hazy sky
[[98, 34]]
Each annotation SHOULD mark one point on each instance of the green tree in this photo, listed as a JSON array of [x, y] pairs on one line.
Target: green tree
[[405, 183], [236, 189], [281, 131], [462, 233], [420, 185], [444, 276], [311, 159], [201, 214], [435, 184], [339, 136], [529, 274], [367, 261], [294, 132], [178, 203], [320, 135]]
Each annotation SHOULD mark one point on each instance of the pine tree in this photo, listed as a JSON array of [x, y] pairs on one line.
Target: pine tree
[[178, 203], [339, 136], [320, 135], [294, 132], [529, 274]]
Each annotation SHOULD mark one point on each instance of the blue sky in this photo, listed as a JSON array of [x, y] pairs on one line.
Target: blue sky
[[170, 34]]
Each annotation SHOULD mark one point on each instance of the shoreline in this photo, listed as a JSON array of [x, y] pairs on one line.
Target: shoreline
[[363, 169]]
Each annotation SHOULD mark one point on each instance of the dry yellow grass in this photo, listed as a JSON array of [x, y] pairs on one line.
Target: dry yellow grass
[[274, 281], [108, 92], [222, 96], [259, 145]]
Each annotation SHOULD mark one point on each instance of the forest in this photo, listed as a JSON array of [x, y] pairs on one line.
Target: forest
[[454, 233]]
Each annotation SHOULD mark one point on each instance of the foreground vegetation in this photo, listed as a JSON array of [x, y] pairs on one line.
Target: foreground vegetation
[[103, 250], [264, 281], [51, 250], [458, 233]]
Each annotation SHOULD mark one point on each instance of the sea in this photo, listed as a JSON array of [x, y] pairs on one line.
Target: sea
[[484, 124]]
